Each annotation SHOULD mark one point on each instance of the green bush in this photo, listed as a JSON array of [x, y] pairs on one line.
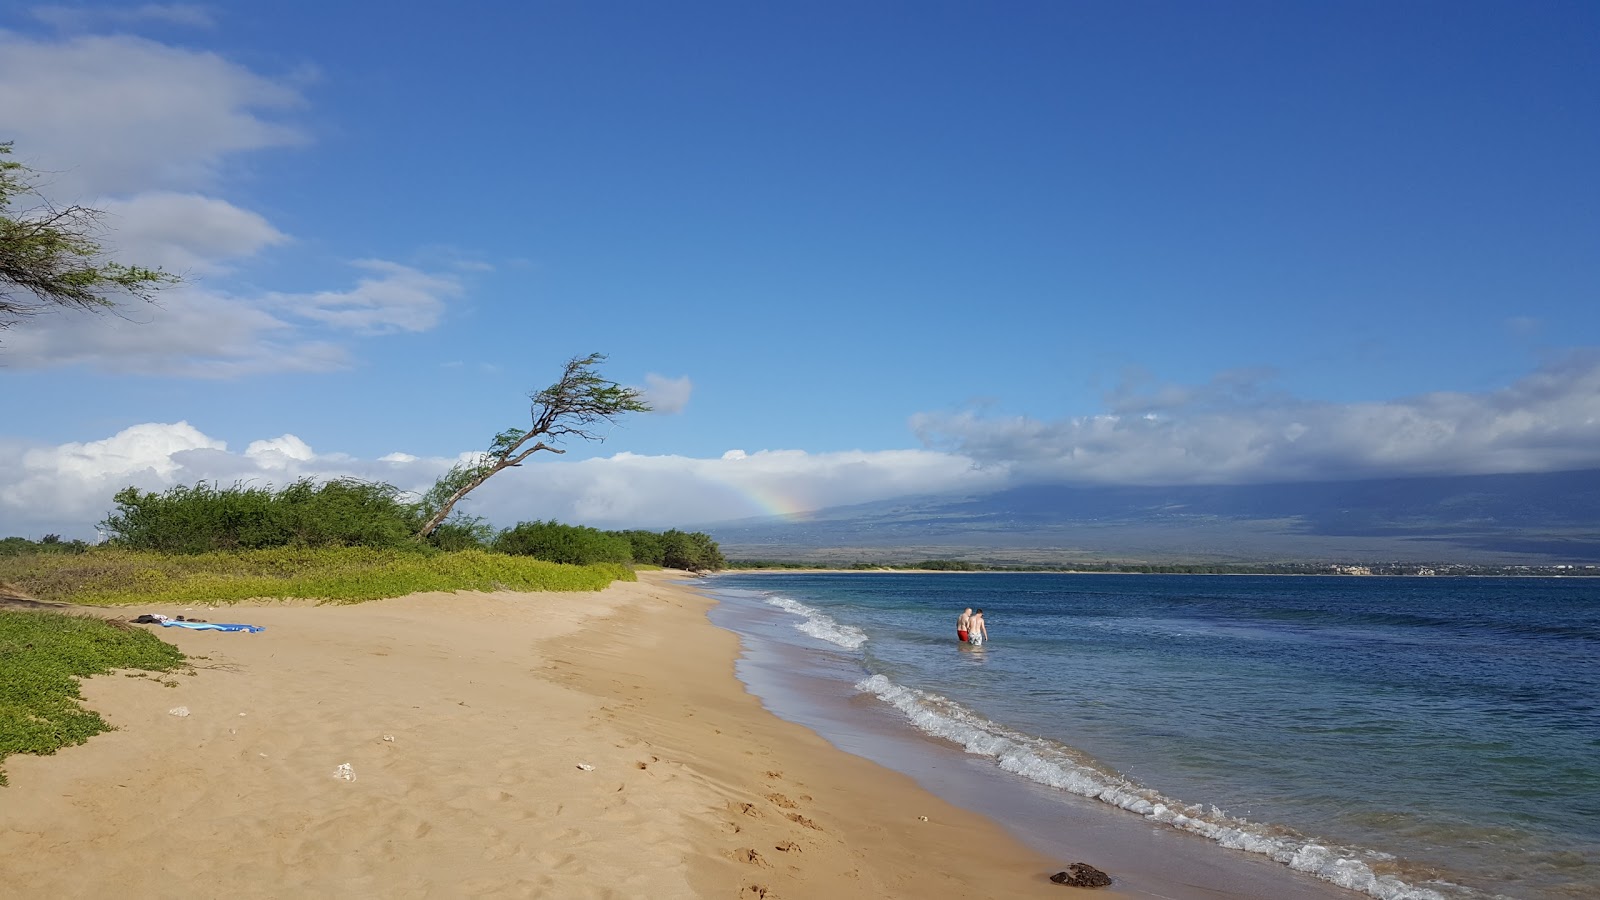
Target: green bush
[[694, 552], [204, 518], [576, 545], [50, 543]]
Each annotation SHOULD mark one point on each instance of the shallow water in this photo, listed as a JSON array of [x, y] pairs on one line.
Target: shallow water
[[1401, 737]]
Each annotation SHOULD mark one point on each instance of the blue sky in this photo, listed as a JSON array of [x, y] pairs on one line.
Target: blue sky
[[878, 248]]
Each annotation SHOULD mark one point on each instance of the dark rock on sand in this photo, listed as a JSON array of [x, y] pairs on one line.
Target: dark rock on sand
[[1081, 875]]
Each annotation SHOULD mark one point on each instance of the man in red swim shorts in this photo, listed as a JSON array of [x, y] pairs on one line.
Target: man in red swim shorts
[[962, 624]]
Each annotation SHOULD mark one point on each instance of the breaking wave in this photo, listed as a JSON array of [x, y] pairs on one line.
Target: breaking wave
[[820, 625], [1056, 765]]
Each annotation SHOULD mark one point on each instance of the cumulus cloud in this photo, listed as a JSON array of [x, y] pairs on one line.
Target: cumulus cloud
[[1228, 434], [666, 395], [65, 489]]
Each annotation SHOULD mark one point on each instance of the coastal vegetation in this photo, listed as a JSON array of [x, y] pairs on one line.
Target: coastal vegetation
[[575, 406], [340, 541], [42, 656], [50, 258], [112, 576]]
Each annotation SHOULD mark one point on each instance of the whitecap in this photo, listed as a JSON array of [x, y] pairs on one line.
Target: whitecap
[[1049, 763], [820, 625]]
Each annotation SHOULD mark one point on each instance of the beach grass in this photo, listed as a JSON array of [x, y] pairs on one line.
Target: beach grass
[[106, 576], [42, 656]]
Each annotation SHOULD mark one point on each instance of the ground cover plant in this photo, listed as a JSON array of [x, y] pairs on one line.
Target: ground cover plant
[[42, 656], [110, 576]]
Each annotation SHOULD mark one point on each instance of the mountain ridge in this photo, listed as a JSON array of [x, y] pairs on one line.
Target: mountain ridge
[[1539, 518]]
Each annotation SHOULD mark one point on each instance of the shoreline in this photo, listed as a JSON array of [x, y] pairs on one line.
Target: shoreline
[[562, 745], [467, 722]]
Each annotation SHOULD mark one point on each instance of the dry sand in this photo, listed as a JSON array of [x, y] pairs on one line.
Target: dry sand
[[469, 721]]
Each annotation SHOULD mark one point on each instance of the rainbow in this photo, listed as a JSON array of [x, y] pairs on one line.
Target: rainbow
[[771, 501]]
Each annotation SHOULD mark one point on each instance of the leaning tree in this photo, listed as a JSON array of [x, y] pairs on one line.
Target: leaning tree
[[573, 407], [49, 257]]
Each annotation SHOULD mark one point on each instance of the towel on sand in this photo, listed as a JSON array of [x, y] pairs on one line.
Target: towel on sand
[[212, 626]]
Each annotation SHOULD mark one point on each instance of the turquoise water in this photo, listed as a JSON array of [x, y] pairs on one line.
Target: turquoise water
[[1404, 737]]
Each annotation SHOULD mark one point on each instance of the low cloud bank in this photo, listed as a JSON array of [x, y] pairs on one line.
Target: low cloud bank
[[1546, 421], [66, 489], [1227, 433]]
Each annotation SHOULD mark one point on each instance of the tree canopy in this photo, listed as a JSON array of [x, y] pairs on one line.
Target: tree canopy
[[50, 258], [572, 407]]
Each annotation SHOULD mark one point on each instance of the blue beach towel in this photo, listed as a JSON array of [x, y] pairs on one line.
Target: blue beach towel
[[213, 626]]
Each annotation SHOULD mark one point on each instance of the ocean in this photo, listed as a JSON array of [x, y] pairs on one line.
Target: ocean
[[1407, 738]]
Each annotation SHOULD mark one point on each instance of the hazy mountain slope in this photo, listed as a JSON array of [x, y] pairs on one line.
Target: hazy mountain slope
[[1544, 518]]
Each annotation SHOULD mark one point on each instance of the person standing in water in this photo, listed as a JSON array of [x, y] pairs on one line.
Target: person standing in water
[[962, 624], [977, 630]]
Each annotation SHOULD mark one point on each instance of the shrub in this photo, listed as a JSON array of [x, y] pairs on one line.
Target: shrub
[[576, 545], [204, 518]]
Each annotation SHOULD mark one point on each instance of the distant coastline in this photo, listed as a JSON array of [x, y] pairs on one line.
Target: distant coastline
[[1306, 570]]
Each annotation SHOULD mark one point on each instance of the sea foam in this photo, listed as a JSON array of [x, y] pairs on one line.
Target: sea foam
[[820, 625], [1049, 763]]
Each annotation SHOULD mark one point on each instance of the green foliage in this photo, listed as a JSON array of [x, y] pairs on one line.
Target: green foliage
[[49, 257], [572, 544], [572, 407], [691, 551], [695, 552], [204, 518], [50, 543], [109, 576], [41, 657], [462, 533]]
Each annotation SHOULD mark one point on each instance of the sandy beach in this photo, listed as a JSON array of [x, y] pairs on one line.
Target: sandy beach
[[506, 745], [470, 723]]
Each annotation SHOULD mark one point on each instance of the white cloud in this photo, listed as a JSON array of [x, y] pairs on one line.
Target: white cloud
[[145, 132], [190, 332], [279, 450], [1547, 421], [394, 298], [193, 331], [185, 233], [1222, 434], [666, 395], [78, 18], [65, 489], [118, 115]]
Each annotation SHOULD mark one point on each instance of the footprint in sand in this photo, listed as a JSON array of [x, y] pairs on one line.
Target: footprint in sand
[[788, 847], [802, 820], [757, 892], [748, 809], [781, 800], [749, 855]]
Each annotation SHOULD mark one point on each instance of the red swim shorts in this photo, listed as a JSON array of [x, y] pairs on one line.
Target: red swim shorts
[[961, 635]]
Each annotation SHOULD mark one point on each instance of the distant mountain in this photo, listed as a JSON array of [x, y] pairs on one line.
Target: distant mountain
[[1535, 519]]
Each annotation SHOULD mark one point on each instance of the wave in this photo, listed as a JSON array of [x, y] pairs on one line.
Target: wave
[[1058, 766], [820, 625]]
